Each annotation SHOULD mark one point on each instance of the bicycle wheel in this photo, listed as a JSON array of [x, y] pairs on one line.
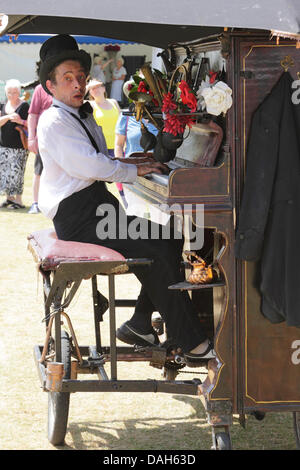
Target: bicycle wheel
[[58, 402]]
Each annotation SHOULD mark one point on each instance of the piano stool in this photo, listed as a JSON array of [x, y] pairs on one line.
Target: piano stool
[[63, 265], [69, 263]]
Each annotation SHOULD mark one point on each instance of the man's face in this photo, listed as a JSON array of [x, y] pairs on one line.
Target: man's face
[[70, 83]]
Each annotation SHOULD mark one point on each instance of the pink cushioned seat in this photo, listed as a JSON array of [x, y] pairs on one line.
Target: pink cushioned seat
[[49, 252]]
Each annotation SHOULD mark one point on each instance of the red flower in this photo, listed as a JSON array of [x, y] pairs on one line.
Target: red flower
[[175, 124], [154, 100], [142, 87], [168, 103], [212, 76], [187, 96]]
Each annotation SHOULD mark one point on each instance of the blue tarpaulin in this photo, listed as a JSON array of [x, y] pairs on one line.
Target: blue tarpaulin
[[40, 38]]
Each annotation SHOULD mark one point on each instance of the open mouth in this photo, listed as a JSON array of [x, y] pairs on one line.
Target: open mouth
[[78, 96]]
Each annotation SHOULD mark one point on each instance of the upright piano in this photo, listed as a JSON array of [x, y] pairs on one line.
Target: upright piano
[[244, 379]]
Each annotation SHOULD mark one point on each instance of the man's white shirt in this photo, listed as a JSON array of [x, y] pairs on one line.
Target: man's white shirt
[[70, 162]]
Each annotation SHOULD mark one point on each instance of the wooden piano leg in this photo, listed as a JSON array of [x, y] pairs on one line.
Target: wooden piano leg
[[219, 392], [219, 412]]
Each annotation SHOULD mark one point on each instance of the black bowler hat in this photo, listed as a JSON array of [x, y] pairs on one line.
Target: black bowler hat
[[56, 50]]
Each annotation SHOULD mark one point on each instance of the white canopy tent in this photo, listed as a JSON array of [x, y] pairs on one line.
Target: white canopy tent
[[18, 56], [156, 23]]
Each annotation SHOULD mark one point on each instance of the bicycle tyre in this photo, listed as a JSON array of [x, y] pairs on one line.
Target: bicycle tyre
[[58, 402]]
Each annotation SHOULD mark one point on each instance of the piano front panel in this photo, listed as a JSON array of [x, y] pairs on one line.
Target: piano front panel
[[201, 183], [192, 182]]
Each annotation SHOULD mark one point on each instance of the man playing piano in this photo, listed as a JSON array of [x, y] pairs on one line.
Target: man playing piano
[[74, 195]]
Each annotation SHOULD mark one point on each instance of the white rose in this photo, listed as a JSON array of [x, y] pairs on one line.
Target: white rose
[[217, 98]]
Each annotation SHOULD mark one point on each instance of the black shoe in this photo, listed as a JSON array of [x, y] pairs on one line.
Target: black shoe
[[7, 203], [16, 206], [196, 360], [129, 335]]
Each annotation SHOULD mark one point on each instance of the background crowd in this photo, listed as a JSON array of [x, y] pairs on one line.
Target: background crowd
[[20, 113]]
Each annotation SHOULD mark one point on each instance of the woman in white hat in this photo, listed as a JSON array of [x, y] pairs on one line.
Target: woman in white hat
[[118, 77], [106, 112], [98, 70]]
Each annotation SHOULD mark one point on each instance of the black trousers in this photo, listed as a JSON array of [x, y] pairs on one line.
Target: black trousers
[[82, 216]]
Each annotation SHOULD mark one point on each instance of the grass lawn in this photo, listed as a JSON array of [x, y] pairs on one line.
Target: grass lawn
[[97, 421]]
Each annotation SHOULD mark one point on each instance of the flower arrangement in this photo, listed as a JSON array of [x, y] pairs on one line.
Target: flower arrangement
[[177, 102], [112, 48], [172, 105]]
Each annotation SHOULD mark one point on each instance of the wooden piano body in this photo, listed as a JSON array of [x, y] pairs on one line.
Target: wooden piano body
[[257, 368]]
